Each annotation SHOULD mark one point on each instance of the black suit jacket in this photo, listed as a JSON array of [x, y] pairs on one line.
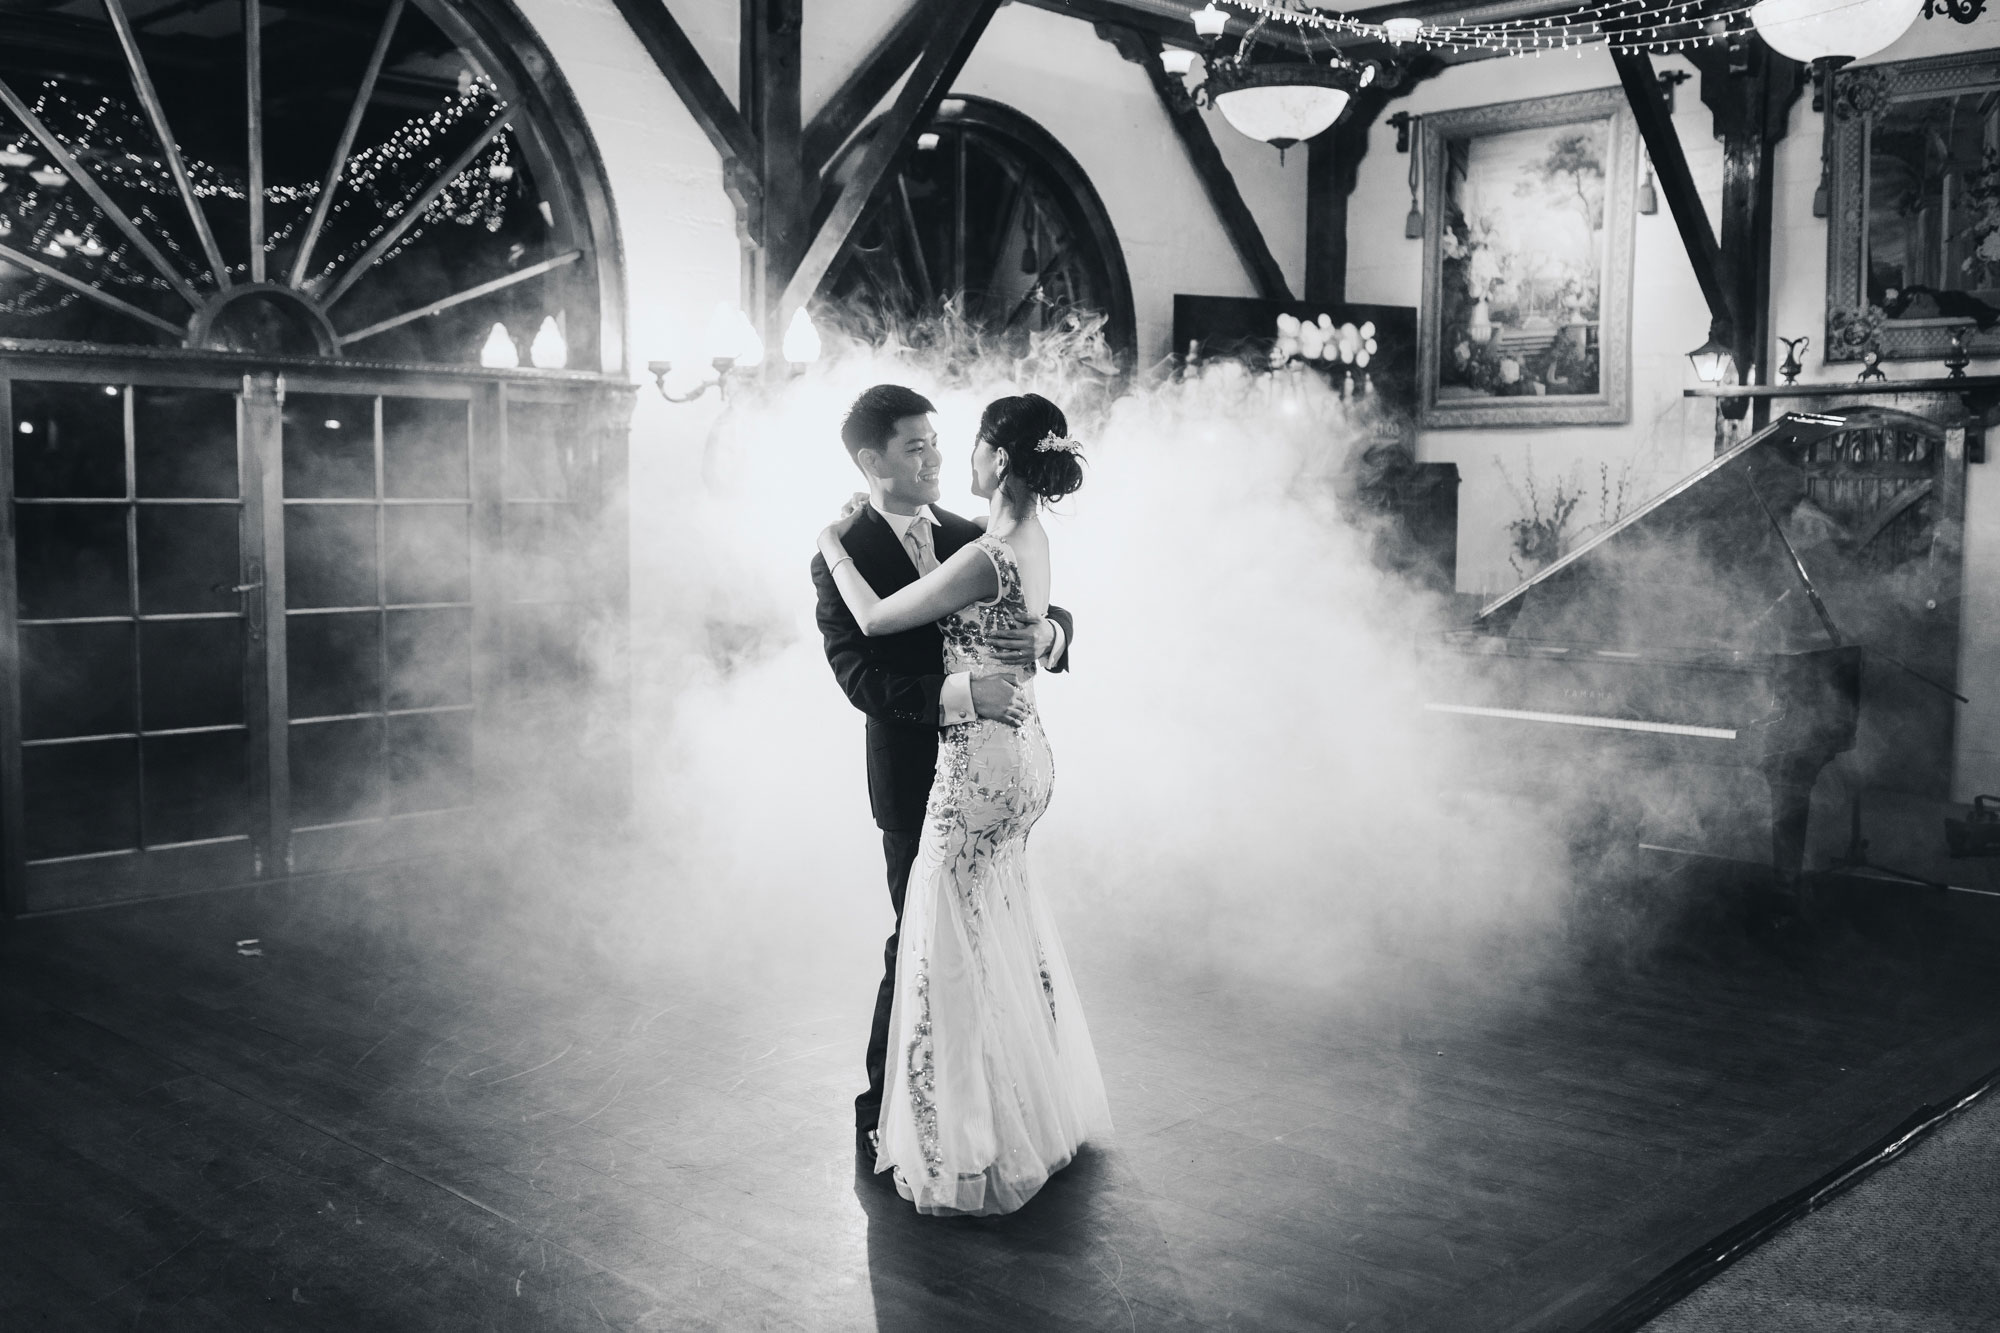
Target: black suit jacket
[[895, 678]]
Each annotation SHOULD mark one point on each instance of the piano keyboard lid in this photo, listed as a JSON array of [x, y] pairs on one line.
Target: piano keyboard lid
[[1697, 569]]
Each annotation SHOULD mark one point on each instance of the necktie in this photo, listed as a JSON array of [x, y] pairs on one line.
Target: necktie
[[918, 538]]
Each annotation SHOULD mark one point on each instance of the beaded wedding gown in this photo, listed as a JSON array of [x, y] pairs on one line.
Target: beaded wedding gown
[[993, 1084]]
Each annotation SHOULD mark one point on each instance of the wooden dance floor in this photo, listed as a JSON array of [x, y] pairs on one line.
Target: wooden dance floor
[[358, 1130]]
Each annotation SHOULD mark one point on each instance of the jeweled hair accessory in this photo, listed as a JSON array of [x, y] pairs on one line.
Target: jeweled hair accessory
[[1054, 443]]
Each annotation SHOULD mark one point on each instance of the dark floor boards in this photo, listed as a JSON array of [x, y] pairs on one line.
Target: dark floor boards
[[359, 1129]]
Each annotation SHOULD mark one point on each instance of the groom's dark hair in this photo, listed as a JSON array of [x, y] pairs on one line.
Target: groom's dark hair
[[875, 413]]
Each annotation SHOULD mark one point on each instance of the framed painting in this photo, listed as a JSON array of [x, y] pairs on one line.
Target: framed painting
[[1527, 300], [1913, 216]]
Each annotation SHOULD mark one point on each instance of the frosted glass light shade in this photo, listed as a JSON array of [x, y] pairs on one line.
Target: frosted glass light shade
[[498, 352], [732, 338], [1176, 60], [549, 351], [1282, 114], [1209, 21], [1809, 30], [801, 346]]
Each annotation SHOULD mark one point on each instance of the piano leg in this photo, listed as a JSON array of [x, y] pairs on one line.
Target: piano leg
[[1791, 778]]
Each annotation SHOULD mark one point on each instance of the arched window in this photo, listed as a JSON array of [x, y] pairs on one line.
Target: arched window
[[991, 214], [368, 179], [311, 367]]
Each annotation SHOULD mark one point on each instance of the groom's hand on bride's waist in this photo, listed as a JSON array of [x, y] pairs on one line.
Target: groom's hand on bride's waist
[[993, 699], [1023, 644]]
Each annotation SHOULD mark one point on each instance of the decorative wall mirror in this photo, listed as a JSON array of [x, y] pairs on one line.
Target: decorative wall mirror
[[1914, 208]]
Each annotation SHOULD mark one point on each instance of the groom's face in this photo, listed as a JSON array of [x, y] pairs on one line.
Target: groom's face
[[908, 463]]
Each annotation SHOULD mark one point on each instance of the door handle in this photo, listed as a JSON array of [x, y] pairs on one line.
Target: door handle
[[253, 607]]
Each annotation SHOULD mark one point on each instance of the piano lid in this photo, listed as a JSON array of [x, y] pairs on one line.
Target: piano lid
[[1698, 567]]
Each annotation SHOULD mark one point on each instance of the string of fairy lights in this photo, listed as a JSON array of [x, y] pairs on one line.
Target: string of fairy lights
[[54, 220], [1624, 25]]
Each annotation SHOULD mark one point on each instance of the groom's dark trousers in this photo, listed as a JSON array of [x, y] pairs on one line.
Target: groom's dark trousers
[[896, 680]]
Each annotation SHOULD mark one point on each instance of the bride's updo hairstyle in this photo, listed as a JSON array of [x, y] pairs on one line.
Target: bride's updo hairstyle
[[1020, 426]]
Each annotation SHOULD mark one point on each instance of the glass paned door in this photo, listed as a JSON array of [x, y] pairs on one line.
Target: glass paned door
[[248, 629], [378, 543], [136, 570]]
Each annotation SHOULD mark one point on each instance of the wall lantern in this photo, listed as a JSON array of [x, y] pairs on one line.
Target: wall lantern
[[1712, 361], [1832, 30]]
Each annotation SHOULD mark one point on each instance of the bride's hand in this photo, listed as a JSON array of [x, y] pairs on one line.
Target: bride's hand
[[829, 544], [855, 503]]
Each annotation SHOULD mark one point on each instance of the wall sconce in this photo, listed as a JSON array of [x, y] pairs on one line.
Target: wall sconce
[[732, 344]]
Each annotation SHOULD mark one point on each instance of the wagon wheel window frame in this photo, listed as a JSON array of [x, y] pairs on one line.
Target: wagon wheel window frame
[[531, 113]]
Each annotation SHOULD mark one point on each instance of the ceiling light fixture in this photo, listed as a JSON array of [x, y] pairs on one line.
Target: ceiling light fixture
[[1280, 102], [1832, 30]]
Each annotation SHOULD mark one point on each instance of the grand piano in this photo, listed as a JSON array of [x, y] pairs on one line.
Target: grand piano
[[1706, 628]]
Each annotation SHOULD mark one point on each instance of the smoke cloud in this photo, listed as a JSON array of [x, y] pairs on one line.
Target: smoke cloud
[[1246, 781]]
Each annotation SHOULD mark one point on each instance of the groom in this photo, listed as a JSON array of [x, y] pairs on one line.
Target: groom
[[898, 680]]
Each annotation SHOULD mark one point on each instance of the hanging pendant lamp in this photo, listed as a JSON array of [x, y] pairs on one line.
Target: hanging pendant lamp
[[1836, 30], [1280, 102]]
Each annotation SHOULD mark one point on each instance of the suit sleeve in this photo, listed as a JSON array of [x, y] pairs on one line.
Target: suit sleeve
[[1062, 618], [876, 691]]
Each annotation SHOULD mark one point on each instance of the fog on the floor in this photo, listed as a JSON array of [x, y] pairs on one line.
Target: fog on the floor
[[1246, 781]]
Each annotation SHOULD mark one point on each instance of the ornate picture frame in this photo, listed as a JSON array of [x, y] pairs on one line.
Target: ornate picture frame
[[1905, 212], [1513, 333]]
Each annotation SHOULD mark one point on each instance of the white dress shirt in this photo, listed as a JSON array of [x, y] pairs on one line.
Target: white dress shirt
[[955, 700]]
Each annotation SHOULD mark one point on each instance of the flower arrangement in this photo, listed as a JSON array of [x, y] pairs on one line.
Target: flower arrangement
[[1070, 360], [1541, 536], [1470, 246]]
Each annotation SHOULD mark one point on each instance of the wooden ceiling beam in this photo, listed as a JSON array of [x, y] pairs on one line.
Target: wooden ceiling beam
[[768, 84], [956, 27], [1142, 48], [1670, 169], [1750, 89], [856, 99], [690, 77], [1333, 167]]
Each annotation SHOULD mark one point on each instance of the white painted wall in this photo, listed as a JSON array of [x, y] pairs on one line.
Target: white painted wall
[[679, 231], [681, 256], [1663, 441], [1668, 436], [1104, 111]]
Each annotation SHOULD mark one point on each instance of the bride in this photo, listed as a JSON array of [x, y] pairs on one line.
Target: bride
[[993, 1084]]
